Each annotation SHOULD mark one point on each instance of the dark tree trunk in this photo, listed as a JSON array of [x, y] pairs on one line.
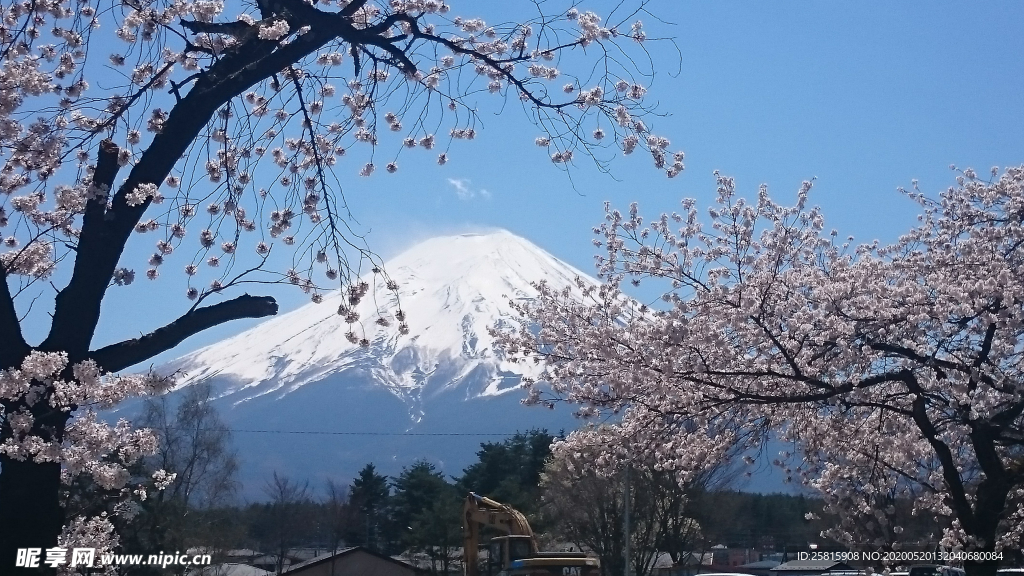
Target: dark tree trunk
[[991, 501], [30, 509]]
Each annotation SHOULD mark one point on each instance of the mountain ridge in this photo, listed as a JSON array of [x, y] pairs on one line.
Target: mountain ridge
[[453, 288], [297, 378]]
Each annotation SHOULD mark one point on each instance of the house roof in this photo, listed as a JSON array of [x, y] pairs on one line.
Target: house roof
[[353, 550], [267, 559], [696, 559], [229, 569], [663, 560], [241, 552], [803, 565], [762, 565]]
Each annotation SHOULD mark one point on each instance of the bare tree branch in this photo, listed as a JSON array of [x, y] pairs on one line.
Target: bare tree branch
[[236, 29], [131, 352]]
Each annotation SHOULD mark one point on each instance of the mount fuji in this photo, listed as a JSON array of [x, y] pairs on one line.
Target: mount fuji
[[308, 403]]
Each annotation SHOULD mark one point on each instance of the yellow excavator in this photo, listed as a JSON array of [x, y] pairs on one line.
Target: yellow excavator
[[516, 552]]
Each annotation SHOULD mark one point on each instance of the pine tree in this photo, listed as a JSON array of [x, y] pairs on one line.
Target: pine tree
[[371, 495]]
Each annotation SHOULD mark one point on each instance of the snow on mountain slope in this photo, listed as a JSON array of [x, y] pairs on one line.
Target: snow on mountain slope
[[452, 289]]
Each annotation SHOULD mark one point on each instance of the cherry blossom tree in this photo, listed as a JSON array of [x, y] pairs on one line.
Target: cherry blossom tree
[[227, 123], [894, 370], [587, 505]]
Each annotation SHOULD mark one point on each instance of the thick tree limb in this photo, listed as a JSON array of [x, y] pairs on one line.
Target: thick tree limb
[[352, 8], [106, 170], [12, 344], [950, 473], [122, 355], [97, 253], [236, 29]]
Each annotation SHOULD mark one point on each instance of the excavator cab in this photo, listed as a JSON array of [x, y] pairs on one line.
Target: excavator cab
[[503, 550]]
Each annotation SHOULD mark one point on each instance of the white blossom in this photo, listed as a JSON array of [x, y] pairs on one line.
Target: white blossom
[[274, 31]]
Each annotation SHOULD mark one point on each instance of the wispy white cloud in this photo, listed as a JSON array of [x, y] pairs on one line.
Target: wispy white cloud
[[461, 186], [465, 191]]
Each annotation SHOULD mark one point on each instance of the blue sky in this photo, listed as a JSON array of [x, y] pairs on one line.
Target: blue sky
[[864, 96]]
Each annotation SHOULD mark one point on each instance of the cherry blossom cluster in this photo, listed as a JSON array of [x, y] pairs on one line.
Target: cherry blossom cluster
[[771, 327], [88, 445], [97, 533]]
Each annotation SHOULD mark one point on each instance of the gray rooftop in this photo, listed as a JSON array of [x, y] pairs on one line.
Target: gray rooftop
[[822, 565], [762, 565]]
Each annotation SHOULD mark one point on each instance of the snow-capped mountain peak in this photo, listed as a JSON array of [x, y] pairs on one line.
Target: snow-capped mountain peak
[[451, 288]]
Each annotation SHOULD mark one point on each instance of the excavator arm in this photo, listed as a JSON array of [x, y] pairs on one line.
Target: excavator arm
[[480, 510]]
